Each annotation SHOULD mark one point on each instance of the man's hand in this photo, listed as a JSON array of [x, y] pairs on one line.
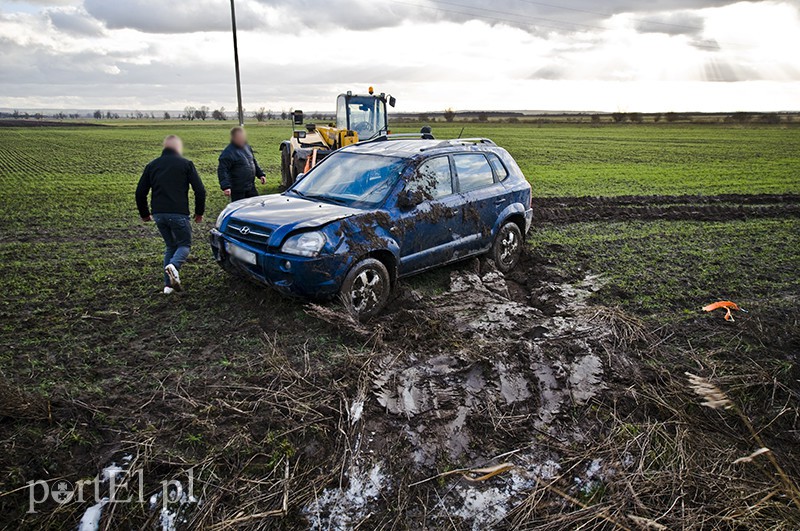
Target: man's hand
[[148, 218], [263, 179], [227, 191], [198, 219]]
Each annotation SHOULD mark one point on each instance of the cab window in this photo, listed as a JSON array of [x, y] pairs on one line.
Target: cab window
[[500, 170], [473, 171], [433, 179]]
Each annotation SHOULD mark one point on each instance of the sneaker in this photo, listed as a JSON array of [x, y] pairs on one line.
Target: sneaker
[[168, 290], [174, 277]]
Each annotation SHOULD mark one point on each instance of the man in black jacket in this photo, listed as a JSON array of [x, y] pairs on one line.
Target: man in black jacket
[[238, 168], [169, 177]]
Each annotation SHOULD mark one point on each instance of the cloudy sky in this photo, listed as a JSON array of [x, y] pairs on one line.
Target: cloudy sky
[[606, 55]]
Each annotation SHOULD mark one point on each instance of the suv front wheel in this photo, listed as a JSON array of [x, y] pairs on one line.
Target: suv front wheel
[[507, 247], [366, 289]]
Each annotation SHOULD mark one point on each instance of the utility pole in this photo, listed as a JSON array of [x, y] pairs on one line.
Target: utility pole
[[236, 61]]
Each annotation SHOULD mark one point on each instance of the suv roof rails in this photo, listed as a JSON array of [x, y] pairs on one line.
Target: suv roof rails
[[456, 141]]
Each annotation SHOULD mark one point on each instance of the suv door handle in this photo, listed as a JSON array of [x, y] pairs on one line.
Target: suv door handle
[[500, 201]]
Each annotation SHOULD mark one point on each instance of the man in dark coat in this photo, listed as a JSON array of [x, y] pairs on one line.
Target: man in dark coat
[[238, 168], [169, 177]]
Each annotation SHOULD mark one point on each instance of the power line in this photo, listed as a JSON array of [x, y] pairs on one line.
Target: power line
[[525, 18], [598, 13]]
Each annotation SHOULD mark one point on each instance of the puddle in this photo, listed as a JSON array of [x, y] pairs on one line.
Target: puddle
[[342, 508]]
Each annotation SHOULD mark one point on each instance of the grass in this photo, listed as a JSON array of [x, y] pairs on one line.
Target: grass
[[238, 381], [679, 266]]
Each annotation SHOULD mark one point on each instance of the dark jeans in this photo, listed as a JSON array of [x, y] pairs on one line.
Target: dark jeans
[[176, 229], [243, 194]]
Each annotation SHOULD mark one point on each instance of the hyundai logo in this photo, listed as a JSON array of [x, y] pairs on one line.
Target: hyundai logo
[[244, 231]]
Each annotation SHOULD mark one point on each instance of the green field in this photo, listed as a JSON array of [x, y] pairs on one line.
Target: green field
[[84, 328]]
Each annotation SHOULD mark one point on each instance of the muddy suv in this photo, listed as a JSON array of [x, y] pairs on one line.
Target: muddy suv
[[375, 212]]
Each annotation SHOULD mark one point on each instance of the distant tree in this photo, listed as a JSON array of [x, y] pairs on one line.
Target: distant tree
[[672, 117], [15, 114], [449, 114], [657, 117], [483, 117], [283, 114], [138, 114], [115, 116], [423, 117], [770, 118], [595, 118], [618, 117], [741, 117], [60, 116], [636, 117], [188, 112], [98, 115], [219, 114], [270, 115], [260, 114], [203, 112], [513, 120], [167, 115], [38, 116]]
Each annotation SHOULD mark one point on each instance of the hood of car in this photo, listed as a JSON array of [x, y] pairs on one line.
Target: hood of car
[[285, 213]]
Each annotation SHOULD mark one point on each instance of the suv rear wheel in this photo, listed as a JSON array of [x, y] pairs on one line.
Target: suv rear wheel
[[507, 247], [366, 289]]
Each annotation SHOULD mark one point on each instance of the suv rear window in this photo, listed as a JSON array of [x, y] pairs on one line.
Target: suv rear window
[[473, 171], [497, 165]]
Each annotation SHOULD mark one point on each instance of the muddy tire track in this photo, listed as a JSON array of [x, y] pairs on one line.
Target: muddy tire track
[[663, 207]]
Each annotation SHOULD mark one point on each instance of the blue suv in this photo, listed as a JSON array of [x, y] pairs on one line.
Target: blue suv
[[374, 212]]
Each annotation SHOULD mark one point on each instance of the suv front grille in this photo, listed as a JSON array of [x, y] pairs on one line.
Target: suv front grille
[[247, 232]]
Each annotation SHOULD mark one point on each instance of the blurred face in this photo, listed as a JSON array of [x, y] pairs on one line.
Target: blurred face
[[175, 144], [239, 138]]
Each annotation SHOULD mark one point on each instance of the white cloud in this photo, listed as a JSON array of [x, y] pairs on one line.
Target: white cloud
[[155, 55]]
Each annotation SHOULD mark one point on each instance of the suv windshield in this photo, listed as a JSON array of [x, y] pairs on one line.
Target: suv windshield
[[353, 179]]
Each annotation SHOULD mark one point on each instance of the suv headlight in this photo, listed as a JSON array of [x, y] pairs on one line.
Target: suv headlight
[[304, 244]]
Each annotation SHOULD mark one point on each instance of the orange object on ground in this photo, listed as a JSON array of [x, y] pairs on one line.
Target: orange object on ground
[[728, 305]]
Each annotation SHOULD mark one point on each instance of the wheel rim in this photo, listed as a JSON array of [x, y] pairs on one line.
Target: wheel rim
[[509, 247], [367, 290]]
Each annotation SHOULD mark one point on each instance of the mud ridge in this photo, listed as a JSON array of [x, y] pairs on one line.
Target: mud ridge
[[683, 207]]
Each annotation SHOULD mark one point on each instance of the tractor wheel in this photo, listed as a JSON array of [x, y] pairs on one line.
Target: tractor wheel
[[286, 169]]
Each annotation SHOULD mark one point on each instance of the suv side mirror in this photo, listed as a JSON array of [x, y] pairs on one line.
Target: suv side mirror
[[410, 199], [298, 117], [392, 101]]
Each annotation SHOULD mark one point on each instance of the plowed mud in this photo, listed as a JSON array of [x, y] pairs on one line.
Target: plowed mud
[[492, 372], [687, 207]]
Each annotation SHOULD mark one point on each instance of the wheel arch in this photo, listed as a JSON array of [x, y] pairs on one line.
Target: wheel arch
[[388, 259]]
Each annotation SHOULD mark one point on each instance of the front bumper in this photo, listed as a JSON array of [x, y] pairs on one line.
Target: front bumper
[[317, 277]]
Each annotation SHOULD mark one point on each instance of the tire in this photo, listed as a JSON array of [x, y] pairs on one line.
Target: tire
[[507, 247], [286, 169], [366, 288]]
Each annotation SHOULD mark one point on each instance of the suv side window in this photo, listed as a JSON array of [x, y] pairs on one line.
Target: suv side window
[[473, 171], [497, 165], [433, 178]]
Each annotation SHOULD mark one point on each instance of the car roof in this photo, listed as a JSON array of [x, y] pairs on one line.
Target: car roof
[[418, 147]]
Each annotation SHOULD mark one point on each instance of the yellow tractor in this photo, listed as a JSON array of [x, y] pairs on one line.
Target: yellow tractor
[[358, 118]]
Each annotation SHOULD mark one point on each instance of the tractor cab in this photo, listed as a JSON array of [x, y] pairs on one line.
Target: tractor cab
[[359, 118], [365, 115]]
